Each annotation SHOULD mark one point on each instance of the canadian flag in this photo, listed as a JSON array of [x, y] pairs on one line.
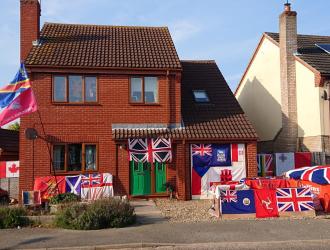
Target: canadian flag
[[9, 169]]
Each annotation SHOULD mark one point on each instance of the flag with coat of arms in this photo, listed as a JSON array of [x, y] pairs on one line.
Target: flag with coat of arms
[[17, 98]]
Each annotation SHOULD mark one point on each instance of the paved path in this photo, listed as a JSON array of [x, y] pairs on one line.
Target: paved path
[[147, 212], [240, 234]]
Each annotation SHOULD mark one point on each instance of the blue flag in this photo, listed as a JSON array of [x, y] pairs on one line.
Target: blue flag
[[237, 202], [221, 155]]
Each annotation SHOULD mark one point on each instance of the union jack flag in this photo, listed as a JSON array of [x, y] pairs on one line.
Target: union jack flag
[[202, 149], [150, 150], [294, 199], [161, 150], [91, 180], [138, 150], [228, 196]]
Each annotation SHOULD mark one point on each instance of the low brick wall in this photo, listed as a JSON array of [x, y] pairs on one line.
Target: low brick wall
[[10, 185]]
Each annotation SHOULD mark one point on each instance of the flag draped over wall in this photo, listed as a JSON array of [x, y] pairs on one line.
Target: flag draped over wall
[[150, 150], [214, 163], [9, 169], [17, 98], [317, 174]]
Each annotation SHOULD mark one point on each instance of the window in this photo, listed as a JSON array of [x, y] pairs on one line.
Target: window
[[144, 90], [75, 89], [200, 96], [75, 157]]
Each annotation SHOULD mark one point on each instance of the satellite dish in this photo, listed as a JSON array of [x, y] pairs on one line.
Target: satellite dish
[[31, 134]]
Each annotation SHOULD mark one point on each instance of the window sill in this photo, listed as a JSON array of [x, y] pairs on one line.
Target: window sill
[[144, 104], [63, 173], [75, 104]]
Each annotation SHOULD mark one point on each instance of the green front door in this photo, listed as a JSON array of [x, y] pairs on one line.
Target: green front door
[[140, 178], [160, 177]]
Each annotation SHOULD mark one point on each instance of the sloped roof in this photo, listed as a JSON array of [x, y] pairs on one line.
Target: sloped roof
[[309, 52], [220, 119], [74, 45]]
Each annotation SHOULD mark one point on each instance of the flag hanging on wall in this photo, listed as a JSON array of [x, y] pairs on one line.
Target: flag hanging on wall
[[49, 186], [96, 186], [203, 175], [150, 150], [31, 198], [294, 199], [17, 98], [289, 161], [9, 169], [265, 165]]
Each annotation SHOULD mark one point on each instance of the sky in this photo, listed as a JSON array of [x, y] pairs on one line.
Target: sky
[[227, 31]]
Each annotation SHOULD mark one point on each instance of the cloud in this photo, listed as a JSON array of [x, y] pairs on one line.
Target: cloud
[[183, 30]]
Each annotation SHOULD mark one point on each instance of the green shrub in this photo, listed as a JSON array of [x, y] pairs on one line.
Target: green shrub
[[11, 217], [107, 213], [64, 198]]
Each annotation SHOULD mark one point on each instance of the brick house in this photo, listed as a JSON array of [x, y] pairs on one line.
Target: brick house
[[98, 86], [289, 75]]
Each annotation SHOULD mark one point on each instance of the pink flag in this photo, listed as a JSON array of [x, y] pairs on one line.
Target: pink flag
[[23, 104]]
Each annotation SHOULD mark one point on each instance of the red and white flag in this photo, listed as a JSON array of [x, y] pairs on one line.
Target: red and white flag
[[9, 169]]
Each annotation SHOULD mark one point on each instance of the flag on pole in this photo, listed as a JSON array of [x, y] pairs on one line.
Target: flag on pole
[[17, 98]]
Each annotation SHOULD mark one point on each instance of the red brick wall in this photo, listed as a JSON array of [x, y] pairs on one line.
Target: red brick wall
[[30, 25], [251, 153], [81, 123]]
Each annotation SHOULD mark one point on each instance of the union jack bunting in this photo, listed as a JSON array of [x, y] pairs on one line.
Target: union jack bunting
[[228, 196], [202, 149], [161, 150], [294, 199], [150, 150], [138, 150]]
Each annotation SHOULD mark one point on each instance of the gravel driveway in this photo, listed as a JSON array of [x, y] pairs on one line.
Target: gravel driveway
[[186, 211]]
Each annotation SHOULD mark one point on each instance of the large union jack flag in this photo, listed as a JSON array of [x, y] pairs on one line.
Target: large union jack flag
[[201, 149], [91, 180], [228, 196], [294, 199], [317, 174], [150, 150]]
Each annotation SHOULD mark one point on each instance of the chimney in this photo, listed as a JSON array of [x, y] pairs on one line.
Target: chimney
[[30, 25], [288, 47]]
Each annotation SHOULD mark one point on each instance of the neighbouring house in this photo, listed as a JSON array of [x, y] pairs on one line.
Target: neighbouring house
[[98, 86], [9, 144], [285, 89]]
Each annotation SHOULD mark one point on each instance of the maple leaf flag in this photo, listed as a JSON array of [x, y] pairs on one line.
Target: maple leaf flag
[[12, 169]]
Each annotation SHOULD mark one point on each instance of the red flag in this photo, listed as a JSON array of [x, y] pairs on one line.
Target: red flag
[[302, 159], [265, 202], [3, 169], [23, 104], [47, 186]]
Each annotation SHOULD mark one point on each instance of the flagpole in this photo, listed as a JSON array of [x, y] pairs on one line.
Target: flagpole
[[49, 151]]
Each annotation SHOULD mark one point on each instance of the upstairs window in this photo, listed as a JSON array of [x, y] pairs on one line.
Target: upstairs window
[[144, 90], [201, 96], [75, 89]]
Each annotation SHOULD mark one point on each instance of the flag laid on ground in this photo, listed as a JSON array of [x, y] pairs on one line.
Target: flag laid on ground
[[237, 202], [265, 165], [49, 186], [73, 184], [317, 174], [9, 169], [294, 199], [96, 186], [202, 175], [31, 198], [265, 202], [17, 98]]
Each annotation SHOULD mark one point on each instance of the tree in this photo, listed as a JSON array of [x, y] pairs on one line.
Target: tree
[[15, 126]]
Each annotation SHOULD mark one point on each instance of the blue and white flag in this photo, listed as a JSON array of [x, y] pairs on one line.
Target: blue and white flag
[[73, 184], [237, 202]]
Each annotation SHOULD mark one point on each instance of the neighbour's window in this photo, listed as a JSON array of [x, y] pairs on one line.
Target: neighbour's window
[[75, 89], [75, 157], [144, 90], [200, 96]]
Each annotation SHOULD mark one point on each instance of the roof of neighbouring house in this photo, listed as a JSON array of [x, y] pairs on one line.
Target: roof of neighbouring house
[[309, 52], [100, 46], [9, 140], [220, 119]]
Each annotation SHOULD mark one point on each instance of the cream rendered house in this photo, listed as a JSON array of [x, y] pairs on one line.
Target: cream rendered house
[[285, 89]]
